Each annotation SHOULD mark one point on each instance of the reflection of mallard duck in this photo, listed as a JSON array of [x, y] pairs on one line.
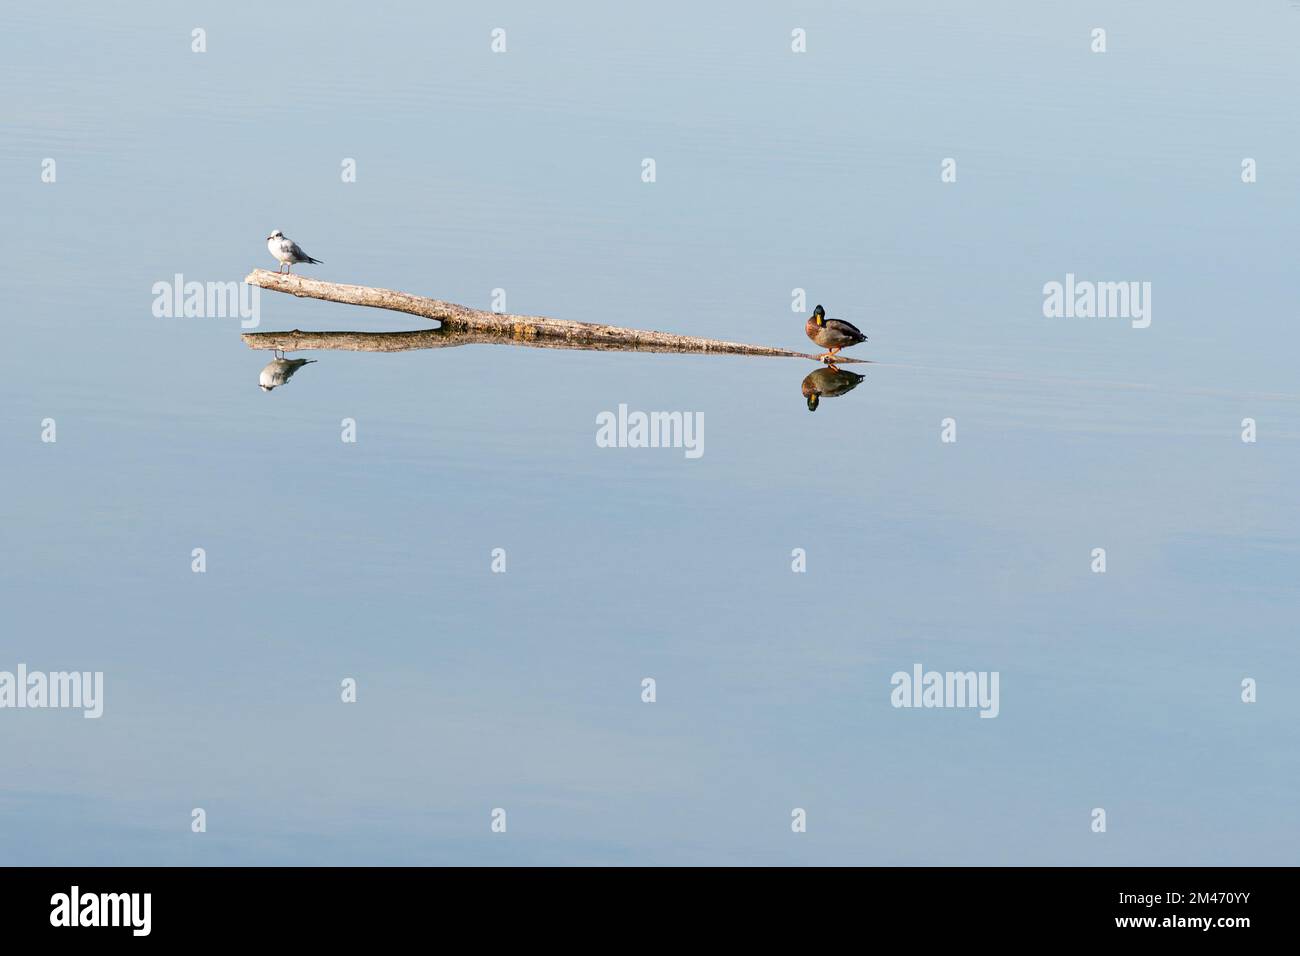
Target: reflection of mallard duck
[[280, 371], [832, 334], [830, 382]]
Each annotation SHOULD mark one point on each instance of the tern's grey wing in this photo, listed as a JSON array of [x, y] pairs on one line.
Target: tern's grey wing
[[296, 251]]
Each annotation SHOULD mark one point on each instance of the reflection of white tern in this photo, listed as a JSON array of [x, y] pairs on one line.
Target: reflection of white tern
[[280, 371]]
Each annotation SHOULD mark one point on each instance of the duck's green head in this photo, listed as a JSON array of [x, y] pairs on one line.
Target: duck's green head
[[819, 314], [813, 401]]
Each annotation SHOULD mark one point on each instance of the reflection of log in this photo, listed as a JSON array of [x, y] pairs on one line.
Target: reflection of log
[[448, 338], [534, 330], [363, 341]]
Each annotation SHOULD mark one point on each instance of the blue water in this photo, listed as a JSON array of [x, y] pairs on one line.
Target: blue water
[[521, 690]]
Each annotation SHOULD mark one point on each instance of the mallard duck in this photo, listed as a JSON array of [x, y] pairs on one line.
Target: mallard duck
[[832, 334], [830, 382]]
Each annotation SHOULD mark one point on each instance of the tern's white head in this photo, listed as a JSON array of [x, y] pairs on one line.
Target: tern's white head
[[275, 235]]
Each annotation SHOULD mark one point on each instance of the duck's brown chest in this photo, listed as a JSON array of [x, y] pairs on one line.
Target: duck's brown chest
[[815, 332]]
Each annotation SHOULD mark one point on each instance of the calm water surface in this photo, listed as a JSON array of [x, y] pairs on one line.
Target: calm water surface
[[521, 690]]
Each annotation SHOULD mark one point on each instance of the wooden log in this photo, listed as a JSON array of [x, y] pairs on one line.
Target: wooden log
[[490, 327]]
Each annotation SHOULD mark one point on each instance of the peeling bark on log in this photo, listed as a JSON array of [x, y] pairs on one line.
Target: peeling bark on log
[[463, 326]]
